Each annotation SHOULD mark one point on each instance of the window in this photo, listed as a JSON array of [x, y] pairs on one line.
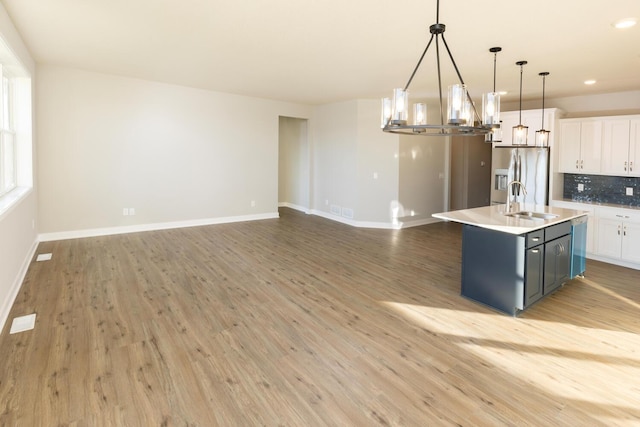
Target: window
[[16, 146], [8, 151]]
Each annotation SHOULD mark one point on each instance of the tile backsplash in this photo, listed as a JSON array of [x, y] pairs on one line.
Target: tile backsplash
[[602, 189]]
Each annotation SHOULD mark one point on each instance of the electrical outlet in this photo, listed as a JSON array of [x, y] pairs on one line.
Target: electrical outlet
[[629, 191], [253, 203], [125, 211], [132, 211], [375, 175], [335, 209], [580, 187]]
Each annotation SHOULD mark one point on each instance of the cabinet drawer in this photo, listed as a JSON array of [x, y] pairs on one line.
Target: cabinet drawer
[[535, 238], [557, 230]]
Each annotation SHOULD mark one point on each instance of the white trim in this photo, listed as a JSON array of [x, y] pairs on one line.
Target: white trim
[[418, 222], [11, 199], [17, 284], [107, 231], [619, 262], [353, 223], [293, 206]]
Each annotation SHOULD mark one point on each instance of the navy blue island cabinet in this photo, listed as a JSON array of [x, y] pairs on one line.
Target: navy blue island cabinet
[[510, 272]]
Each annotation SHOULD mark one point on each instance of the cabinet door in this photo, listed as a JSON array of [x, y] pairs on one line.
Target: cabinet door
[[569, 147], [634, 148], [557, 263], [590, 146], [631, 241], [534, 275], [563, 271], [615, 147], [609, 237]]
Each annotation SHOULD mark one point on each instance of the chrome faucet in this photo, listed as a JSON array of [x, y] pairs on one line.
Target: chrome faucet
[[511, 204]]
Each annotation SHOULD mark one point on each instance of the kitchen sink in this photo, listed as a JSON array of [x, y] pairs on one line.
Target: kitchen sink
[[531, 215]]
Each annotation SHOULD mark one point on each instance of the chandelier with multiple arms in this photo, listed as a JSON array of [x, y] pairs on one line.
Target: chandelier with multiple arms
[[462, 117]]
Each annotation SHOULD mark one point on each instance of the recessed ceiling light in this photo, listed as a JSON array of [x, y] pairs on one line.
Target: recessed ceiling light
[[625, 23], [589, 82]]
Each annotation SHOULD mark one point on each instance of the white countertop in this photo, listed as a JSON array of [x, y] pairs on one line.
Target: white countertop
[[493, 218]]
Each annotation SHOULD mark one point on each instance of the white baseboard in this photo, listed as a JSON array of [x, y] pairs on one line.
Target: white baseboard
[[417, 222], [107, 231], [15, 287], [354, 223], [619, 262], [293, 206]]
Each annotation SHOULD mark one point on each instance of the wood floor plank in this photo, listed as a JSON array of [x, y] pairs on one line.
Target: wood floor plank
[[304, 321]]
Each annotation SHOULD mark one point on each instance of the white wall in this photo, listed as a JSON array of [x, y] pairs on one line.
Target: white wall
[[377, 154], [423, 168], [349, 148], [175, 154], [335, 157], [17, 231], [424, 174], [294, 163], [587, 105]]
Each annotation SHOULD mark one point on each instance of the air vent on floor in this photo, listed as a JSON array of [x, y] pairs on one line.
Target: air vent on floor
[[23, 323]]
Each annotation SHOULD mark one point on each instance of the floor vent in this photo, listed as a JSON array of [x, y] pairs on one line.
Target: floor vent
[[23, 323], [43, 257]]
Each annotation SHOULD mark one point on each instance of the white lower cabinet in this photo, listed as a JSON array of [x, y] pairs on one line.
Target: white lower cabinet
[[619, 234], [613, 234], [591, 220]]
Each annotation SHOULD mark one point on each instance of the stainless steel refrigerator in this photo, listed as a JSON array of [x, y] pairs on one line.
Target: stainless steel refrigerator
[[529, 165]]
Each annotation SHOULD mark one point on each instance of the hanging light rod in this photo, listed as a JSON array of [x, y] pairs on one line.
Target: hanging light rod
[[542, 135], [520, 132], [491, 105], [462, 117]]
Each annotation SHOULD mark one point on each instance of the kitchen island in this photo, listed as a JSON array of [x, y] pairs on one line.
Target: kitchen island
[[511, 260]]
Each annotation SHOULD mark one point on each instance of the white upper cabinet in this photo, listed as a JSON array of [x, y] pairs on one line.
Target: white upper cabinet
[[580, 146], [620, 147], [634, 148], [530, 118]]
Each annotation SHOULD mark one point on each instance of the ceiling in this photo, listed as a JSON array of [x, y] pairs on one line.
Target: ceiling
[[319, 51]]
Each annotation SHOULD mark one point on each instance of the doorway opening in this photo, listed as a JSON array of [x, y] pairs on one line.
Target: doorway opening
[[294, 164]]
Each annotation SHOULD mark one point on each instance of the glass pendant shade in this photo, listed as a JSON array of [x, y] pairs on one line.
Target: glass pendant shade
[[491, 108], [419, 114], [542, 138], [520, 135], [456, 105], [467, 113], [386, 112], [400, 107]]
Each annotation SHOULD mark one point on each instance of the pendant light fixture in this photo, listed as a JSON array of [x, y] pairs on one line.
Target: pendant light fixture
[[542, 135], [520, 132], [491, 105], [462, 117]]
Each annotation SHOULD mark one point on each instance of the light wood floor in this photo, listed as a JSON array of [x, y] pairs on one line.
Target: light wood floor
[[301, 321]]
